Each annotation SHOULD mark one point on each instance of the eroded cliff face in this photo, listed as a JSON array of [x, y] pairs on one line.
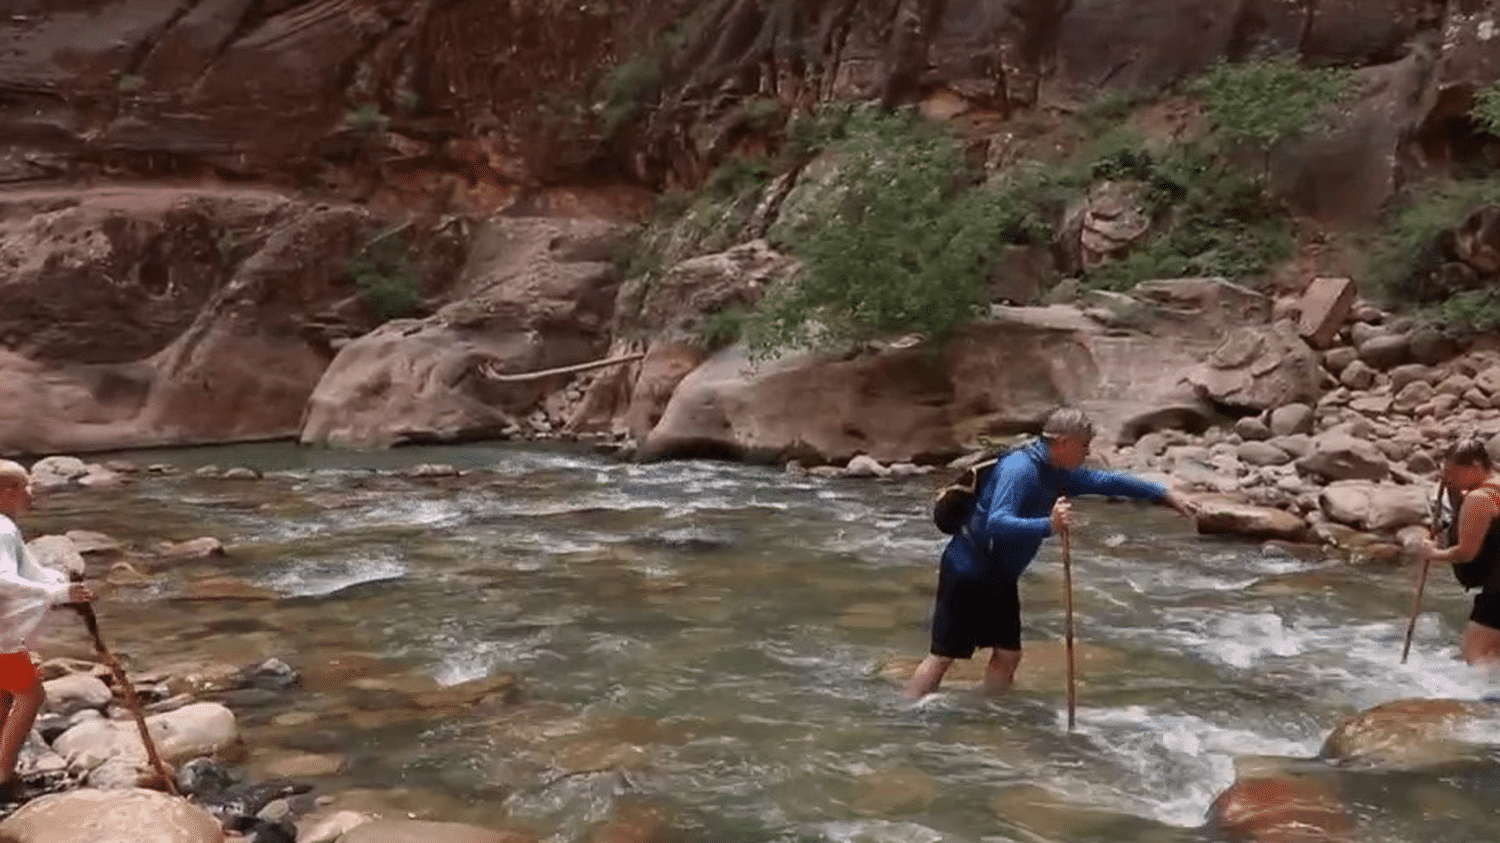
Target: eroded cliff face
[[476, 103], [277, 135]]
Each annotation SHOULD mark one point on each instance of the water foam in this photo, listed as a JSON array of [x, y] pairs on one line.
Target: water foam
[[1176, 764]]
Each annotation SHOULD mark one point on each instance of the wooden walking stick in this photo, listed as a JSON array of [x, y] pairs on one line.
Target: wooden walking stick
[[1067, 561], [1416, 600], [90, 620]]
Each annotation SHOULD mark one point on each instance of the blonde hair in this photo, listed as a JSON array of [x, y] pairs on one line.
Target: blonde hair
[[12, 470]]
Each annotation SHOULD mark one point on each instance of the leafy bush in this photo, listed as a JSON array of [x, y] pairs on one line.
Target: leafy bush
[[627, 89], [1212, 219], [1487, 109], [724, 327], [737, 175], [1411, 245], [386, 280], [901, 243], [1473, 310], [367, 118], [1259, 103]]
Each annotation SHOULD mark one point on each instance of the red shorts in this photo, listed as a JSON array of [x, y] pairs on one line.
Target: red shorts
[[17, 673]]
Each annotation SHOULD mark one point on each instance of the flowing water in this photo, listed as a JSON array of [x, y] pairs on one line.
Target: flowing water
[[716, 645]]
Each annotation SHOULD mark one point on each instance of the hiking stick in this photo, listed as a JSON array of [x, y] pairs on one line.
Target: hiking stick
[[90, 620], [1067, 561], [1416, 600]]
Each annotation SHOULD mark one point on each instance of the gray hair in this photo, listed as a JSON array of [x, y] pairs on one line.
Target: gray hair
[[1068, 421]]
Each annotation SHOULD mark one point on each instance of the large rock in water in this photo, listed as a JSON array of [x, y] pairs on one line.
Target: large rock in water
[[1000, 376], [1282, 809], [1230, 517], [1413, 733], [110, 816], [536, 294]]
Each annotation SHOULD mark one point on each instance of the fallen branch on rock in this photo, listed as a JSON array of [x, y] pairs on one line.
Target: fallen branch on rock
[[488, 369]]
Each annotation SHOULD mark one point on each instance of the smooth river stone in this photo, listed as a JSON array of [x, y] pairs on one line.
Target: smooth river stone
[[895, 792], [1051, 817]]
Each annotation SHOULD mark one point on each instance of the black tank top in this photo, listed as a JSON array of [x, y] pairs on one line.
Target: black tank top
[[1481, 570]]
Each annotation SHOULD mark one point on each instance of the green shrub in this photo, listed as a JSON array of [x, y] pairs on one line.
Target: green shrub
[[1487, 109], [1471, 310], [737, 175], [627, 88], [724, 327], [1410, 247], [901, 243], [366, 118], [1210, 219], [385, 278], [1259, 103], [761, 113]]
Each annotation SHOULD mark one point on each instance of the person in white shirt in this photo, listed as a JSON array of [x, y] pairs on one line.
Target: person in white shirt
[[27, 591]]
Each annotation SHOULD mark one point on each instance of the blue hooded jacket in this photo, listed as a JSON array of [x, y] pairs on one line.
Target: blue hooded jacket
[[1012, 512]]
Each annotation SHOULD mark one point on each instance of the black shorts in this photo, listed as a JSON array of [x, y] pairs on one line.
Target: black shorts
[[1487, 607], [974, 613]]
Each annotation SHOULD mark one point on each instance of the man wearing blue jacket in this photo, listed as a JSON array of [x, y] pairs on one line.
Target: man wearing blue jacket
[[1022, 501]]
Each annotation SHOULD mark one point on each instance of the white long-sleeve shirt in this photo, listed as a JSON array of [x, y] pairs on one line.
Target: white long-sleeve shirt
[[27, 590]]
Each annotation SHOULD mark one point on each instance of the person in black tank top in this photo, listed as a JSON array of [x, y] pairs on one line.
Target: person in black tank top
[[1474, 553]]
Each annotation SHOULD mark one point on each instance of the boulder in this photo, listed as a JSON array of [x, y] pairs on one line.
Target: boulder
[[1338, 456], [1219, 515], [1281, 809], [1252, 428], [1103, 225], [111, 753], [1261, 453], [1325, 306], [68, 695], [1292, 419], [1258, 368], [110, 816], [58, 553], [536, 294], [1336, 360], [1385, 350], [52, 473], [1357, 375], [906, 404], [665, 365], [1412, 396], [1374, 507], [1411, 733], [673, 306]]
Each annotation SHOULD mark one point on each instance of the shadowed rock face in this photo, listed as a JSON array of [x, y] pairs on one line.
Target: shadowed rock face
[[146, 316], [478, 100]]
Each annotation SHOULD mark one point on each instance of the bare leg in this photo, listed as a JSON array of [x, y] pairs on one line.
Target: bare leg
[[1480, 644], [928, 675], [1000, 673], [19, 718]]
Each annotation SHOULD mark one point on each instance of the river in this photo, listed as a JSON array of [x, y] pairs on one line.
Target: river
[[706, 641]]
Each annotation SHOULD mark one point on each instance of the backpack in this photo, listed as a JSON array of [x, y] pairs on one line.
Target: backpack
[[954, 504]]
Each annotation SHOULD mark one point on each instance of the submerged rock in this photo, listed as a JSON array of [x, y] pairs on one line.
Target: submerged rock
[[1412, 733]]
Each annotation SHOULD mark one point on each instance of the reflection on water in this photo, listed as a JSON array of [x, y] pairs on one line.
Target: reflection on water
[[708, 639]]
